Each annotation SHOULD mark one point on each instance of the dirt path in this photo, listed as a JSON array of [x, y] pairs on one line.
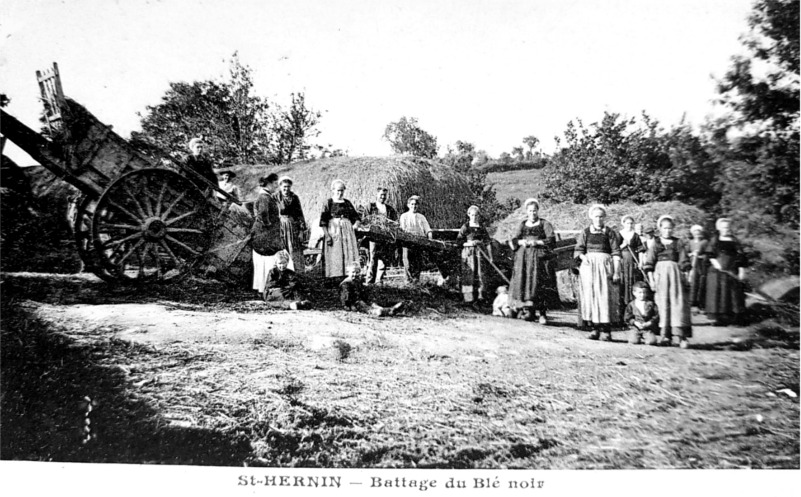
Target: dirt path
[[202, 367]]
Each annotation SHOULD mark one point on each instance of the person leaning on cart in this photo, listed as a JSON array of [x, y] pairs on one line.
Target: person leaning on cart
[[380, 252], [415, 223], [200, 162]]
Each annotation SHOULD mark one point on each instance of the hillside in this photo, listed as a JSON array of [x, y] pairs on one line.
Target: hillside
[[517, 184]]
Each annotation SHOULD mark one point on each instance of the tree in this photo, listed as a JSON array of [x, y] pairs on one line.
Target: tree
[[758, 141], [291, 130], [406, 137], [239, 126], [531, 142], [517, 153], [619, 159]]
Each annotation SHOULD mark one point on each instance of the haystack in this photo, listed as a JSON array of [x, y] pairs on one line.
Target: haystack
[[445, 193]]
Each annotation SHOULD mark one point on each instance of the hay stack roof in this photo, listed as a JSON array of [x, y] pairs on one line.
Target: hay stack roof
[[445, 193], [568, 216]]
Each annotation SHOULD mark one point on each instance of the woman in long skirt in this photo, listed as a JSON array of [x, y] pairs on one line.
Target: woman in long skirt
[[597, 253], [474, 239], [699, 260], [266, 232], [292, 223], [339, 219], [631, 247], [725, 300], [533, 285], [666, 260]]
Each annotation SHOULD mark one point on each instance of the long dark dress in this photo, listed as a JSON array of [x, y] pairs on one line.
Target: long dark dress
[[474, 267], [629, 273], [725, 299], [698, 273], [292, 225], [533, 280]]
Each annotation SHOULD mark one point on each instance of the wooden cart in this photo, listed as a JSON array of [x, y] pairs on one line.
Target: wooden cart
[[138, 219]]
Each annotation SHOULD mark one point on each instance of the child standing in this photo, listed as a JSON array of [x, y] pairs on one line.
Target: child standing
[[642, 316], [353, 294]]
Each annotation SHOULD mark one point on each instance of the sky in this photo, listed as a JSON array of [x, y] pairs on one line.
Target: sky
[[486, 72]]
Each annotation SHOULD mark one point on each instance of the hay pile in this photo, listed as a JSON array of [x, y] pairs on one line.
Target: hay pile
[[445, 193], [568, 216]]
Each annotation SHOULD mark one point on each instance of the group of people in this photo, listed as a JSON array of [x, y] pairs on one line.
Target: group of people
[[618, 270], [278, 252]]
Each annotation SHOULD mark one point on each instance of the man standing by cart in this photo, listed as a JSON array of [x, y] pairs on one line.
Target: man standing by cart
[[380, 253]]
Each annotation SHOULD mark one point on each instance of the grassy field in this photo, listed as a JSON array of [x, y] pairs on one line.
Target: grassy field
[[517, 184], [200, 374]]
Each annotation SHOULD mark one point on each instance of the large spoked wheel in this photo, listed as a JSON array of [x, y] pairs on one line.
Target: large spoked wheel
[[151, 225]]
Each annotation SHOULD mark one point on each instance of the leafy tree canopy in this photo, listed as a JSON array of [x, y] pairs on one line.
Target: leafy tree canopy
[[239, 126], [406, 137]]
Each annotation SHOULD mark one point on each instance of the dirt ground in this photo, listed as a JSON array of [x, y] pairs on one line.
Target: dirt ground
[[199, 374]]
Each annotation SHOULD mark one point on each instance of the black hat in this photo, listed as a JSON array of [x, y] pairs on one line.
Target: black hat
[[230, 173]]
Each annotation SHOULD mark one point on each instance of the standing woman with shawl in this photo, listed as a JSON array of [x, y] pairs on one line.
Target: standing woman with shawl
[[666, 260], [631, 247], [533, 286], [474, 239], [292, 223], [725, 300], [597, 253], [266, 232], [339, 219]]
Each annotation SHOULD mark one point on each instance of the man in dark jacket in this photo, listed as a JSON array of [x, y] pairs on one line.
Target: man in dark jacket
[[380, 252]]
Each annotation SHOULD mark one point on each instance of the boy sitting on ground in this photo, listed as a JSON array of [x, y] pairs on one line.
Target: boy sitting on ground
[[642, 316], [282, 289], [353, 294]]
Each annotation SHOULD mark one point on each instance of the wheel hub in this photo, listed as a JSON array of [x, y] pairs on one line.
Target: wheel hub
[[154, 229]]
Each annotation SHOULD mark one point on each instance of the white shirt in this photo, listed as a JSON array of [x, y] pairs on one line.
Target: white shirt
[[414, 223]]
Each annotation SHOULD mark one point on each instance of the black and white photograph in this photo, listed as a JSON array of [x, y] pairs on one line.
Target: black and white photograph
[[389, 247]]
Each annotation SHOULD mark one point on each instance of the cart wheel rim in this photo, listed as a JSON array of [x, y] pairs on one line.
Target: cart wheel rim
[[151, 225]]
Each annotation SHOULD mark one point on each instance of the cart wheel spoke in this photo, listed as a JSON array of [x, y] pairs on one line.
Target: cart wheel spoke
[[136, 203], [170, 208], [181, 244], [182, 216], [130, 251], [123, 226], [112, 242], [124, 210], [170, 252], [184, 230], [160, 199]]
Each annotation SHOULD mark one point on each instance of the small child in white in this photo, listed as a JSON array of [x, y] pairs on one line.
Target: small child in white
[[353, 294], [500, 306]]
